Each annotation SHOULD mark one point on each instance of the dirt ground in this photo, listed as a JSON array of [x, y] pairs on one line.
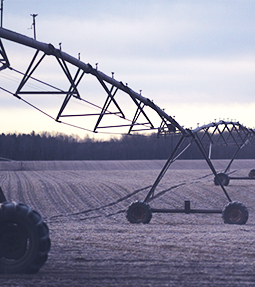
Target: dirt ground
[[93, 244]]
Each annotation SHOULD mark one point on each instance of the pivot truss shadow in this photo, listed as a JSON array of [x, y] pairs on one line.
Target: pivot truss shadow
[[145, 116]]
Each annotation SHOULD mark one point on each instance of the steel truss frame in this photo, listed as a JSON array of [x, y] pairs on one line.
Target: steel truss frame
[[222, 132], [105, 81]]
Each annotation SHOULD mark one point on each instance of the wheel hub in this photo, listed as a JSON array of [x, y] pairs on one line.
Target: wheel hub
[[13, 241], [138, 213], [235, 215]]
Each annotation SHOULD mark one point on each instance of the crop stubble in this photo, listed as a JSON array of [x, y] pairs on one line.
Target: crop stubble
[[94, 245]]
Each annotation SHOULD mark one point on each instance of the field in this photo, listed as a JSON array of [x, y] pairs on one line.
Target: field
[[93, 244]]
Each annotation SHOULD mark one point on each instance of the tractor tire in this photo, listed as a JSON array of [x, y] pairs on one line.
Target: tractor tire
[[252, 173], [139, 212], [224, 179], [235, 212], [24, 239]]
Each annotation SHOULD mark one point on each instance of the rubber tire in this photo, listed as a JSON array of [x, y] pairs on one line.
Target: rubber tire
[[252, 173], [235, 212], [24, 239], [139, 212], [223, 177]]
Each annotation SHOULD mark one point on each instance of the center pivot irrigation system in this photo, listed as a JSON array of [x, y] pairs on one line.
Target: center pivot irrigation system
[[24, 237]]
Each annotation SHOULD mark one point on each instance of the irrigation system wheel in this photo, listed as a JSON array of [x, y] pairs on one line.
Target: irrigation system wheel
[[252, 173], [223, 177], [24, 239], [235, 212], [139, 212]]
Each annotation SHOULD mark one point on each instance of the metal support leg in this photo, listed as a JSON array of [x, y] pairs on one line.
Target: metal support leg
[[2, 196], [164, 169], [234, 156], [209, 162], [232, 159]]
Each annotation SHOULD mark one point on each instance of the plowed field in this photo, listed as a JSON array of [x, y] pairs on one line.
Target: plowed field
[[93, 244]]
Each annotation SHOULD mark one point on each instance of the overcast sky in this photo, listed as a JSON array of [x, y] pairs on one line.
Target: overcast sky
[[195, 59]]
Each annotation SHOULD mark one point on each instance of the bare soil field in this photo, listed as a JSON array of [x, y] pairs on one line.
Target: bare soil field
[[93, 244]]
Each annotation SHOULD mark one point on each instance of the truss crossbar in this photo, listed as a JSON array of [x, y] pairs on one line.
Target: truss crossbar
[[224, 133], [4, 62]]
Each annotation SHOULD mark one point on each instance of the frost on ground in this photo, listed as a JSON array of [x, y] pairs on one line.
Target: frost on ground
[[84, 206]]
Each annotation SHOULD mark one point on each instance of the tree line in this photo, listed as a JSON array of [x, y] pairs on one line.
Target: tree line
[[46, 146]]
